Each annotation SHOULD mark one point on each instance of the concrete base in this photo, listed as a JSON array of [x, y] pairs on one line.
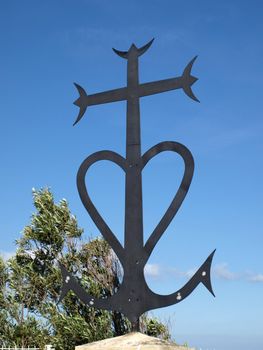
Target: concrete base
[[132, 341]]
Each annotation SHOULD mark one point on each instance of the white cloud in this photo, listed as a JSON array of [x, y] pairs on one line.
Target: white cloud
[[152, 270], [178, 273], [6, 255], [222, 271], [255, 277], [189, 273], [155, 270]]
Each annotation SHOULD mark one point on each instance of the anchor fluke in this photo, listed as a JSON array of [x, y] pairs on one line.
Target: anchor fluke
[[189, 80], [205, 270], [70, 283], [140, 51], [81, 102], [202, 275], [65, 287]]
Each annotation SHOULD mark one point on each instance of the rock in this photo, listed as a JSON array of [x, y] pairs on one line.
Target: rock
[[132, 341]]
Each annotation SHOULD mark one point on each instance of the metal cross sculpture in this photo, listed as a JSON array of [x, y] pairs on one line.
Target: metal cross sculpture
[[134, 296]]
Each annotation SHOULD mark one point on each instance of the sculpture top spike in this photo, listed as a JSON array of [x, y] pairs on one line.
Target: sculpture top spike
[[140, 51]]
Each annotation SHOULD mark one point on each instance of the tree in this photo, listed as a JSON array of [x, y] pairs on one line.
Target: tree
[[32, 282], [5, 326]]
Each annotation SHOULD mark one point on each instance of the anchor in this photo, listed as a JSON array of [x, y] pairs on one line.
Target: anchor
[[134, 297]]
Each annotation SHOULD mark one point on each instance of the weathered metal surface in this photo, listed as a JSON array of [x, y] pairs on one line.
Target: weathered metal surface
[[134, 296]]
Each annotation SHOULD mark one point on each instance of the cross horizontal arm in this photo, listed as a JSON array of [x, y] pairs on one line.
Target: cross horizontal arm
[[107, 96], [185, 81], [159, 86], [85, 100]]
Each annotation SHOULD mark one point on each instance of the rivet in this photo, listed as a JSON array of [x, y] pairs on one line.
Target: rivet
[[179, 297]]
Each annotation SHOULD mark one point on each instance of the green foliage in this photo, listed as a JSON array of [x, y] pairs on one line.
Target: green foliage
[[30, 284], [155, 328], [5, 325]]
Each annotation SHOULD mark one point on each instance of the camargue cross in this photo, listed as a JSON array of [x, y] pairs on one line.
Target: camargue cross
[[134, 297]]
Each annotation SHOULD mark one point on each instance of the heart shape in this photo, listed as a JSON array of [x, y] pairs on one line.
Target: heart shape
[[181, 192], [123, 163]]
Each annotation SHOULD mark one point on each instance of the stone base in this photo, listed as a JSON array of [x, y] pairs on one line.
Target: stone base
[[132, 341]]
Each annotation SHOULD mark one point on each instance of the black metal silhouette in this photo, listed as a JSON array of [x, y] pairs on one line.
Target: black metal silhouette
[[134, 296]]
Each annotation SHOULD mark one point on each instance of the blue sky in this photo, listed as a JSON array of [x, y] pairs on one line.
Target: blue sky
[[48, 45]]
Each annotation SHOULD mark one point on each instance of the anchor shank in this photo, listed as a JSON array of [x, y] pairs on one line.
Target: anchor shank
[[133, 189]]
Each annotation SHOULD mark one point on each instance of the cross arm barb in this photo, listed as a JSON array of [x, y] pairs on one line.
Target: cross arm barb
[[85, 100], [183, 82]]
